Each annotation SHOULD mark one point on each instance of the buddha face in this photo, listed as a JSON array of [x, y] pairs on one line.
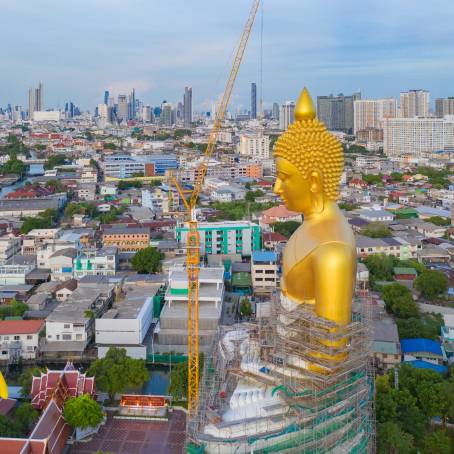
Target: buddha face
[[298, 193]]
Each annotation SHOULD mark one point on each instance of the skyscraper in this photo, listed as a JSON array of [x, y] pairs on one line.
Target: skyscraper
[[253, 100], [337, 111], [166, 114], [132, 105], [35, 100], [370, 113], [414, 103], [275, 111], [286, 115], [444, 106], [187, 107], [106, 97], [122, 108]]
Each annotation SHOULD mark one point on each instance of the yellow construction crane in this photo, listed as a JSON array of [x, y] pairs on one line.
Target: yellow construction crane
[[193, 240]]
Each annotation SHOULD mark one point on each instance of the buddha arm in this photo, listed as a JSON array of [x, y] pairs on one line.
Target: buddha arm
[[334, 267]]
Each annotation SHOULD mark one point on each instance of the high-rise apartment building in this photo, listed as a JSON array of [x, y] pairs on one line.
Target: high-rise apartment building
[[414, 103], [255, 146], [166, 115], [132, 105], [415, 136], [146, 114], [444, 106], [253, 100], [122, 108], [275, 111], [286, 115], [187, 107], [370, 113], [106, 97], [35, 100], [337, 111]]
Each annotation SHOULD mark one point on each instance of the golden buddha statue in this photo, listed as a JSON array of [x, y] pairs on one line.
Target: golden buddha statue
[[319, 261], [3, 387]]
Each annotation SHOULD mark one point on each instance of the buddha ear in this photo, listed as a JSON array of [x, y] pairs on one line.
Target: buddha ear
[[315, 181]]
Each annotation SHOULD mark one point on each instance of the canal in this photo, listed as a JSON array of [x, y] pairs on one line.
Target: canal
[[35, 171]]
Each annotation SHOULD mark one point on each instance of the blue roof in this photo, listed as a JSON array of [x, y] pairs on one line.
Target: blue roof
[[264, 256], [420, 345], [431, 211], [419, 364]]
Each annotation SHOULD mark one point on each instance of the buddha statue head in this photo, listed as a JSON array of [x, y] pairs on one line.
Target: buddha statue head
[[309, 162]]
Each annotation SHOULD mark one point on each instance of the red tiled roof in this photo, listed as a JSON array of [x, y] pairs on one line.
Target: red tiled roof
[[279, 212], [20, 326], [273, 236]]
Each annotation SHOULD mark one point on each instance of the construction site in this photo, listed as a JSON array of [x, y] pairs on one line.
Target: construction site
[[293, 383]]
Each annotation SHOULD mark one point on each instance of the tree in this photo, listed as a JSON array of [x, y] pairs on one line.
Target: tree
[[427, 326], [147, 261], [124, 185], [286, 228], [82, 412], [178, 387], [376, 230], [399, 301], [372, 179], [438, 220], [14, 165], [53, 161], [110, 146], [9, 428], [116, 371], [396, 176], [25, 416], [380, 266], [44, 220], [245, 307], [437, 442], [393, 440], [431, 284], [347, 206], [26, 377]]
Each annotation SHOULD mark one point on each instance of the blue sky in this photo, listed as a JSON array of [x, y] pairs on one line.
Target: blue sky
[[78, 48]]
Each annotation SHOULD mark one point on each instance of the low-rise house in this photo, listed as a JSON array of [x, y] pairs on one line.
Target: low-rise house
[[385, 345], [61, 264], [433, 254], [423, 349], [278, 214], [264, 271], [14, 274], [19, 339], [65, 289], [447, 335], [376, 215], [96, 262], [405, 274], [86, 191], [402, 248], [271, 240], [9, 246]]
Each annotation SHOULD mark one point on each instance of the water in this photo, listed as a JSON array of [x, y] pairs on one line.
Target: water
[[158, 382]]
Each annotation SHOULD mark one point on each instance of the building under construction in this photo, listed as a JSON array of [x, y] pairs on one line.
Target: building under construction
[[294, 383]]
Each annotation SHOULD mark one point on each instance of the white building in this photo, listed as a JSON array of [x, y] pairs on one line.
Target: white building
[[19, 339], [286, 115], [172, 332], [128, 322], [96, 262], [415, 136], [370, 113], [47, 115], [8, 248], [264, 271], [414, 103], [255, 146], [14, 274]]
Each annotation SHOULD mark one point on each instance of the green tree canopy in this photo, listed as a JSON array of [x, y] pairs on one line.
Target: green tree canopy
[[147, 261], [178, 387], [399, 301], [26, 377], [347, 206], [14, 165], [82, 412], [245, 307], [116, 371], [44, 220], [25, 416], [8, 428], [437, 442], [88, 208], [376, 230], [124, 185], [431, 284], [372, 179], [396, 176], [393, 440], [380, 266], [438, 220], [427, 326], [53, 161], [286, 228]]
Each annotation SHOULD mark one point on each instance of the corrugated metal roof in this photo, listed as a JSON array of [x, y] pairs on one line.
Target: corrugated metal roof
[[419, 364], [420, 345]]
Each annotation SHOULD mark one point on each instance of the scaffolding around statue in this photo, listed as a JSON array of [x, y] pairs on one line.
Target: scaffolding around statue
[[279, 385]]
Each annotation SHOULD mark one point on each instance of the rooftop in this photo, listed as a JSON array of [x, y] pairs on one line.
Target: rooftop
[[20, 326]]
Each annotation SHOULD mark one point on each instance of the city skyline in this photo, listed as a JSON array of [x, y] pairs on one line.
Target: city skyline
[[364, 46]]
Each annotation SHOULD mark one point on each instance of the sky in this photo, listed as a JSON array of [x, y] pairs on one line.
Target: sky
[[80, 48]]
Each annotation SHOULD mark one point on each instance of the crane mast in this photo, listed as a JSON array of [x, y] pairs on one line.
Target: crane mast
[[193, 238]]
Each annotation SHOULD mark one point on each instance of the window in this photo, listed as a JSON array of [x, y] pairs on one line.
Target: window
[[66, 326], [49, 336], [30, 348], [4, 352], [66, 337], [6, 338], [78, 336], [16, 338]]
